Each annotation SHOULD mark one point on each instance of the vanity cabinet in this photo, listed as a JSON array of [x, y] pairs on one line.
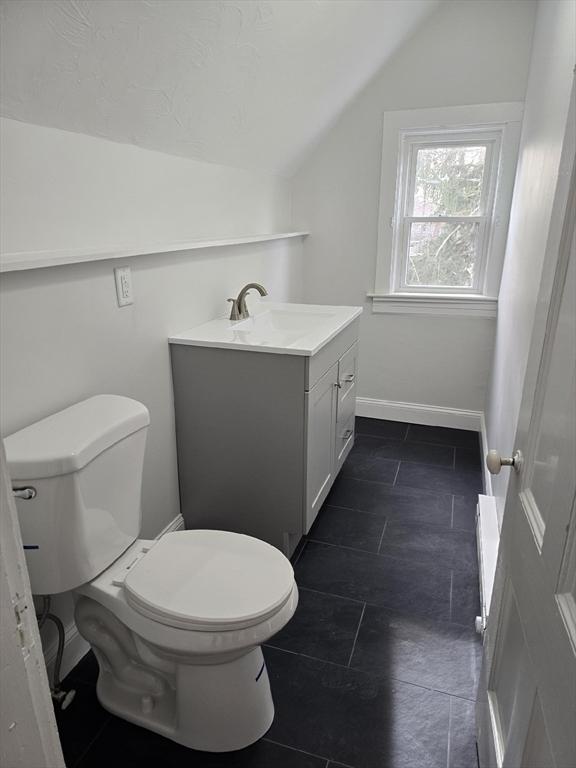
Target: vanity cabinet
[[261, 436], [330, 412]]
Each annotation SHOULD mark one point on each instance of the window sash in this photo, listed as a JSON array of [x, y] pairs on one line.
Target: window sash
[[475, 288], [410, 144]]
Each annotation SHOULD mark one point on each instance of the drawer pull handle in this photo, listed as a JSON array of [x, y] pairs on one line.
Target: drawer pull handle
[[350, 378], [347, 434]]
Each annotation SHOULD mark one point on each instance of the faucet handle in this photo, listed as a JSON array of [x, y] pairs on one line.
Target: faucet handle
[[234, 313]]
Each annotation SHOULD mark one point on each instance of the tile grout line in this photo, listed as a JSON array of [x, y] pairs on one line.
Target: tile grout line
[[407, 431], [396, 475], [373, 451], [295, 749], [78, 762], [351, 509], [379, 552], [451, 589], [388, 608], [384, 517], [380, 676], [330, 594], [448, 746], [417, 488], [363, 480], [452, 515], [403, 558], [356, 635], [302, 548]]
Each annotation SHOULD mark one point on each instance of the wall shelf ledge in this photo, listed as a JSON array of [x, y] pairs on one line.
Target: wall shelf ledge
[[13, 262]]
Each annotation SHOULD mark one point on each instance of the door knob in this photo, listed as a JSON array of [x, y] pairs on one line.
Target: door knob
[[495, 462]]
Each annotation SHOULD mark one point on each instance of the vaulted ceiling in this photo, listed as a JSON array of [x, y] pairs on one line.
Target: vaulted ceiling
[[251, 83]]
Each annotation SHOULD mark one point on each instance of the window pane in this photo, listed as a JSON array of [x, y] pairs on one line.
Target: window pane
[[442, 253], [449, 181]]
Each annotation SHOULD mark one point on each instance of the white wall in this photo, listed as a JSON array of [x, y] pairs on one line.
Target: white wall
[[545, 120], [66, 190], [467, 52], [241, 82], [63, 337]]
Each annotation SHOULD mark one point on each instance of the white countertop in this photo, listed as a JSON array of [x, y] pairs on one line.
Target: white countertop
[[286, 329]]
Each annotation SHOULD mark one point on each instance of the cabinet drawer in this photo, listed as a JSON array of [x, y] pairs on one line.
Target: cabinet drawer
[[347, 367], [319, 363]]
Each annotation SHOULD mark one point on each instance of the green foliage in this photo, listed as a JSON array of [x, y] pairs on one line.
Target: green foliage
[[448, 183]]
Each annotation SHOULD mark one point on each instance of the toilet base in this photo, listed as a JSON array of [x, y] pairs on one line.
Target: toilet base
[[213, 708]]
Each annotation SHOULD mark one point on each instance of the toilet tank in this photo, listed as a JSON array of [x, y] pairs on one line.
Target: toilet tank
[[85, 464]]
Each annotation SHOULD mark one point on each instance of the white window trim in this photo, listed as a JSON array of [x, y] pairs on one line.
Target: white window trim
[[401, 128]]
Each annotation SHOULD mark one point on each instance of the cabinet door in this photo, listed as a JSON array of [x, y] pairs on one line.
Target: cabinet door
[[321, 421], [347, 366], [346, 409]]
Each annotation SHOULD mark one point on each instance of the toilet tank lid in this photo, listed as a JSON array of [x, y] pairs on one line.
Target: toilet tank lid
[[68, 440]]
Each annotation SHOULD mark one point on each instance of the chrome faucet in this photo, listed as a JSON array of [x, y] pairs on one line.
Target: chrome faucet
[[239, 309]]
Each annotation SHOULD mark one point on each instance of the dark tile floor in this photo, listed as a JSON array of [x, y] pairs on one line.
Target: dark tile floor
[[379, 666]]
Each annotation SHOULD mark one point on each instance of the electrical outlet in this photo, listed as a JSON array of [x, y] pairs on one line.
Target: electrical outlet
[[123, 278]]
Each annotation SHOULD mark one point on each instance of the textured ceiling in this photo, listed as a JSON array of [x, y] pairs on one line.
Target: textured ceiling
[[250, 83]]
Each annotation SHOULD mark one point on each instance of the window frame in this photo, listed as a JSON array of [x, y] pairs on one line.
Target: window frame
[[411, 143], [496, 126]]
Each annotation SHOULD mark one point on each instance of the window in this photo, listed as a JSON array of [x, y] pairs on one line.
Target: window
[[441, 228]]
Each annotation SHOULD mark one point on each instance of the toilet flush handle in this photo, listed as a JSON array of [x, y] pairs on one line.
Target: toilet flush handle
[[25, 493]]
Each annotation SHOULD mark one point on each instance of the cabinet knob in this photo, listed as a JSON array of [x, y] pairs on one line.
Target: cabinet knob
[[350, 378]]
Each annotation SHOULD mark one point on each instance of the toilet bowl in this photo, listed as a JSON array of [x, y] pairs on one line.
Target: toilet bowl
[[176, 624]]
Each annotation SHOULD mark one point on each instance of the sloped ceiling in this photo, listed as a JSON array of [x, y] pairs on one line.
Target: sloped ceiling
[[250, 83]]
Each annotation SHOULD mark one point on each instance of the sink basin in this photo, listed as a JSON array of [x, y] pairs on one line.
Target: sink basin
[[297, 329], [285, 321]]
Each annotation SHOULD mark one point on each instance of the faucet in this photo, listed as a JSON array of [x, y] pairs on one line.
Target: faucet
[[239, 309]]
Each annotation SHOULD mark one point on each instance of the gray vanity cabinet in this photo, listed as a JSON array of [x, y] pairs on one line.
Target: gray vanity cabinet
[[321, 410], [261, 436]]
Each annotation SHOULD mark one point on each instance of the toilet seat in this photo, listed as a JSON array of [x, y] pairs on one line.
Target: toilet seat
[[209, 581]]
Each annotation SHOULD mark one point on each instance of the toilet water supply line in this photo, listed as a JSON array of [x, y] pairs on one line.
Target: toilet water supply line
[[64, 698]]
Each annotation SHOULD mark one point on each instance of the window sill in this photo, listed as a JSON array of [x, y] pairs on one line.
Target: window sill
[[431, 304]]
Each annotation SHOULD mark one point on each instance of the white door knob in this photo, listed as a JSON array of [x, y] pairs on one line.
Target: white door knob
[[495, 462]]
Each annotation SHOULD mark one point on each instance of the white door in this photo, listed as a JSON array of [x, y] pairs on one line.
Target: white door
[[526, 710], [28, 735]]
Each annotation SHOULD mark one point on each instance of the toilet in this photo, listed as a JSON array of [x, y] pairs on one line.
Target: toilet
[[176, 624]]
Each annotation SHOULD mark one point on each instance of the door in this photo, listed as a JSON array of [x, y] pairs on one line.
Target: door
[[28, 735], [321, 404], [526, 709]]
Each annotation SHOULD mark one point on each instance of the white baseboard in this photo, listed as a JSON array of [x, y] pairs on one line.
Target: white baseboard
[[75, 647], [418, 413]]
